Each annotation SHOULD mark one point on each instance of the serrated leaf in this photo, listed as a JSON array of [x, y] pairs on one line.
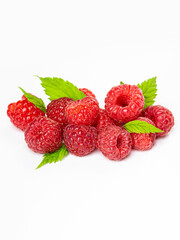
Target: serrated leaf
[[57, 88], [38, 102], [121, 83], [138, 126], [54, 157], [149, 89]]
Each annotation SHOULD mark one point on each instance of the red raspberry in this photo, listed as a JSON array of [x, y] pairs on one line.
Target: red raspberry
[[124, 102], [87, 92], [22, 113], [103, 120], [143, 141], [80, 139], [161, 116], [83, 112], [114, 142], [23, 97], [56, 110], [44, 135]]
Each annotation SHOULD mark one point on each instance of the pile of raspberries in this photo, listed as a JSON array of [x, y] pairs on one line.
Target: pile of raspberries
[[82, 126]]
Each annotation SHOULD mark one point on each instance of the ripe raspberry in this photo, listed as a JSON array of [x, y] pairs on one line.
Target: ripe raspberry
[[22, 113], [124, 102], [161, 116], [87, 92], [56, 110], [80, 139], [83, 112], [103, 120], [114, 142], [23, 97], [44, 135], [143, 141]]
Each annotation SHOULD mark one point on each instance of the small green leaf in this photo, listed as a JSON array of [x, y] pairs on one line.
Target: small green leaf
[[57, 88], [138, 126], [54, 157], [38, 102], [121, 83], [149, 89]]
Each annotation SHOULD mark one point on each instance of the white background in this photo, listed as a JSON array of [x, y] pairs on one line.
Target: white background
[[94, 44]]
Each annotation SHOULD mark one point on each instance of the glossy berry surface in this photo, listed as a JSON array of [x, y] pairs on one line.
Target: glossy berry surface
[[44, 135], [80, 140], [114, 142], [103, 120], [83, 112], [143, 141], [124, 102], [23, 112], [56, 110], [161, 116], [87, 92]]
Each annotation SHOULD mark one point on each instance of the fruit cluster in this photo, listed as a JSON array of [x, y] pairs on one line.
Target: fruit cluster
[[73, 121]]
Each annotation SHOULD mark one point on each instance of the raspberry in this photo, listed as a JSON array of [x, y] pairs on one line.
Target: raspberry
[[143, 141], [83, 112], [22, 113], [87, 92], [124, 102], [114, 142], [23, 97], [103, 120], [56, 110], [44, 135], [80, 139], [161, 116]]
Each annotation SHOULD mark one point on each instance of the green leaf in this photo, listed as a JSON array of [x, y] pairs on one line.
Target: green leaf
[[38, 102], [57, 88], [121, 83], [138, 126], [54, 157], [149, 89]]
